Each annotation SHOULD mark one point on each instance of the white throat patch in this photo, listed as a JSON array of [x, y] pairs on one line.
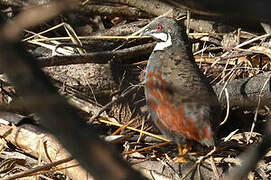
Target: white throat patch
[[166, 41]]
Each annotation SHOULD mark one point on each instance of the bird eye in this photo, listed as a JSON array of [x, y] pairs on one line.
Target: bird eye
[[159, 27]]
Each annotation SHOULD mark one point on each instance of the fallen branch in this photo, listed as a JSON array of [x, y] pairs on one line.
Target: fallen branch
[[244, 93]]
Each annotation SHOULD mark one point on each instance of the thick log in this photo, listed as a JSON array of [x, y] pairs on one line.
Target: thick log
[[248, 92], [32, 140]]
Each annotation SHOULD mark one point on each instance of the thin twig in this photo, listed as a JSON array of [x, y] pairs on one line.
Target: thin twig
[[190, 170], [115, 100], [124, 126], [169, 166], [37, 169], [228, 107], [199, 161], [133, 129], [227, 138], [146, 148], [241, 45], [257, 109], [212, 162]]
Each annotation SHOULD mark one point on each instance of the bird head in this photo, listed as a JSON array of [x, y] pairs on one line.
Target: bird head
[[165, 31]]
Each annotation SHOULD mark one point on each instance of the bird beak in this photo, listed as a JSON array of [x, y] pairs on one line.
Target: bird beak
[[146, 32]]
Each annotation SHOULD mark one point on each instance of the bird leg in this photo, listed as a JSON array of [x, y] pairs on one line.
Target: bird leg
[[183, 152]]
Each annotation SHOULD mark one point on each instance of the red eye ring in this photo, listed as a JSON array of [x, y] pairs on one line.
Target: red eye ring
[[159, 27]]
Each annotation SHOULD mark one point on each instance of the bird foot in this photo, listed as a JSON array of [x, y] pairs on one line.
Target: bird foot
[[183, 152], [182, 159]]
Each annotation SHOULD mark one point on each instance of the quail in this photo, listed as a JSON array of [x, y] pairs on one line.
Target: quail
[[180, 100]]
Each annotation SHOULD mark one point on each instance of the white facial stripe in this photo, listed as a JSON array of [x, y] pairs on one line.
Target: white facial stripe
[[162, 45], [161, 36]]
